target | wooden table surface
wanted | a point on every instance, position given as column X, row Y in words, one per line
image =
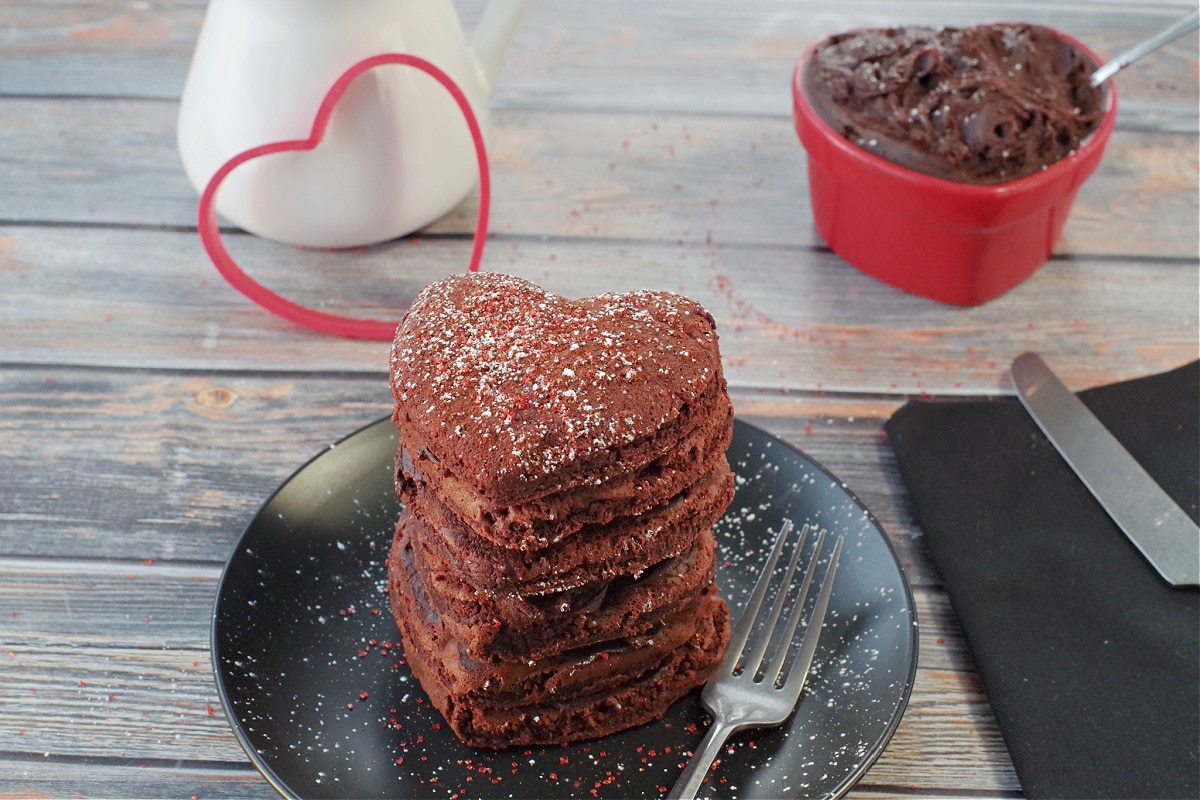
column 148, row 409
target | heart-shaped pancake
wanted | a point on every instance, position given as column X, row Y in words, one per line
column 517, row 392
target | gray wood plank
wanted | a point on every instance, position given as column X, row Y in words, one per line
column 947, row 725
column 140, row 609
column 137, row 694
column 49, row 775
column 138, row 466
column 789, row 319
column 114, row 703
column 56, row 604
column 737, row 58
column 697, row 179
column 58, row 777
column 81, row 47
column 124, row 465
column 715, row 56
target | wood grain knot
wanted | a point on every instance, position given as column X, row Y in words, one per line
column 216, row 397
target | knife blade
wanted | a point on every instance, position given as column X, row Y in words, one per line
column 1156, row 525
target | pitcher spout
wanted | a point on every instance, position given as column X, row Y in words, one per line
column 494, row 33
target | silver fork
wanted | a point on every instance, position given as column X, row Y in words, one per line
column 739, row 698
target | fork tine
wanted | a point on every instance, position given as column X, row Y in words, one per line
column 741, row 631
column 738, row 701
column 812, row 632
column 763, row 640
column 776, row 667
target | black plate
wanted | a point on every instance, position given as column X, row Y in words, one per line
column 309, row 667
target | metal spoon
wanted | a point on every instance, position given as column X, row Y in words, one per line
column 1186, row 25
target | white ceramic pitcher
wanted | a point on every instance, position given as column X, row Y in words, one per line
column 397, row 153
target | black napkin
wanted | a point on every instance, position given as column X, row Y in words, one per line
column 1089, row 658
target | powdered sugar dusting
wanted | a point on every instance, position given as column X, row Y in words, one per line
column 535, row 381
column 333, row 708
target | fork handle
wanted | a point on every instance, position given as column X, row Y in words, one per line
column 688, row 784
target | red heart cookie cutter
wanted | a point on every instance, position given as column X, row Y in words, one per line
column 307, row 317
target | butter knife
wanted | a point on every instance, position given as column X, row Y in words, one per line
column 1156, row 525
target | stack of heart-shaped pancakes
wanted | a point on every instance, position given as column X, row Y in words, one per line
column 561, row 464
